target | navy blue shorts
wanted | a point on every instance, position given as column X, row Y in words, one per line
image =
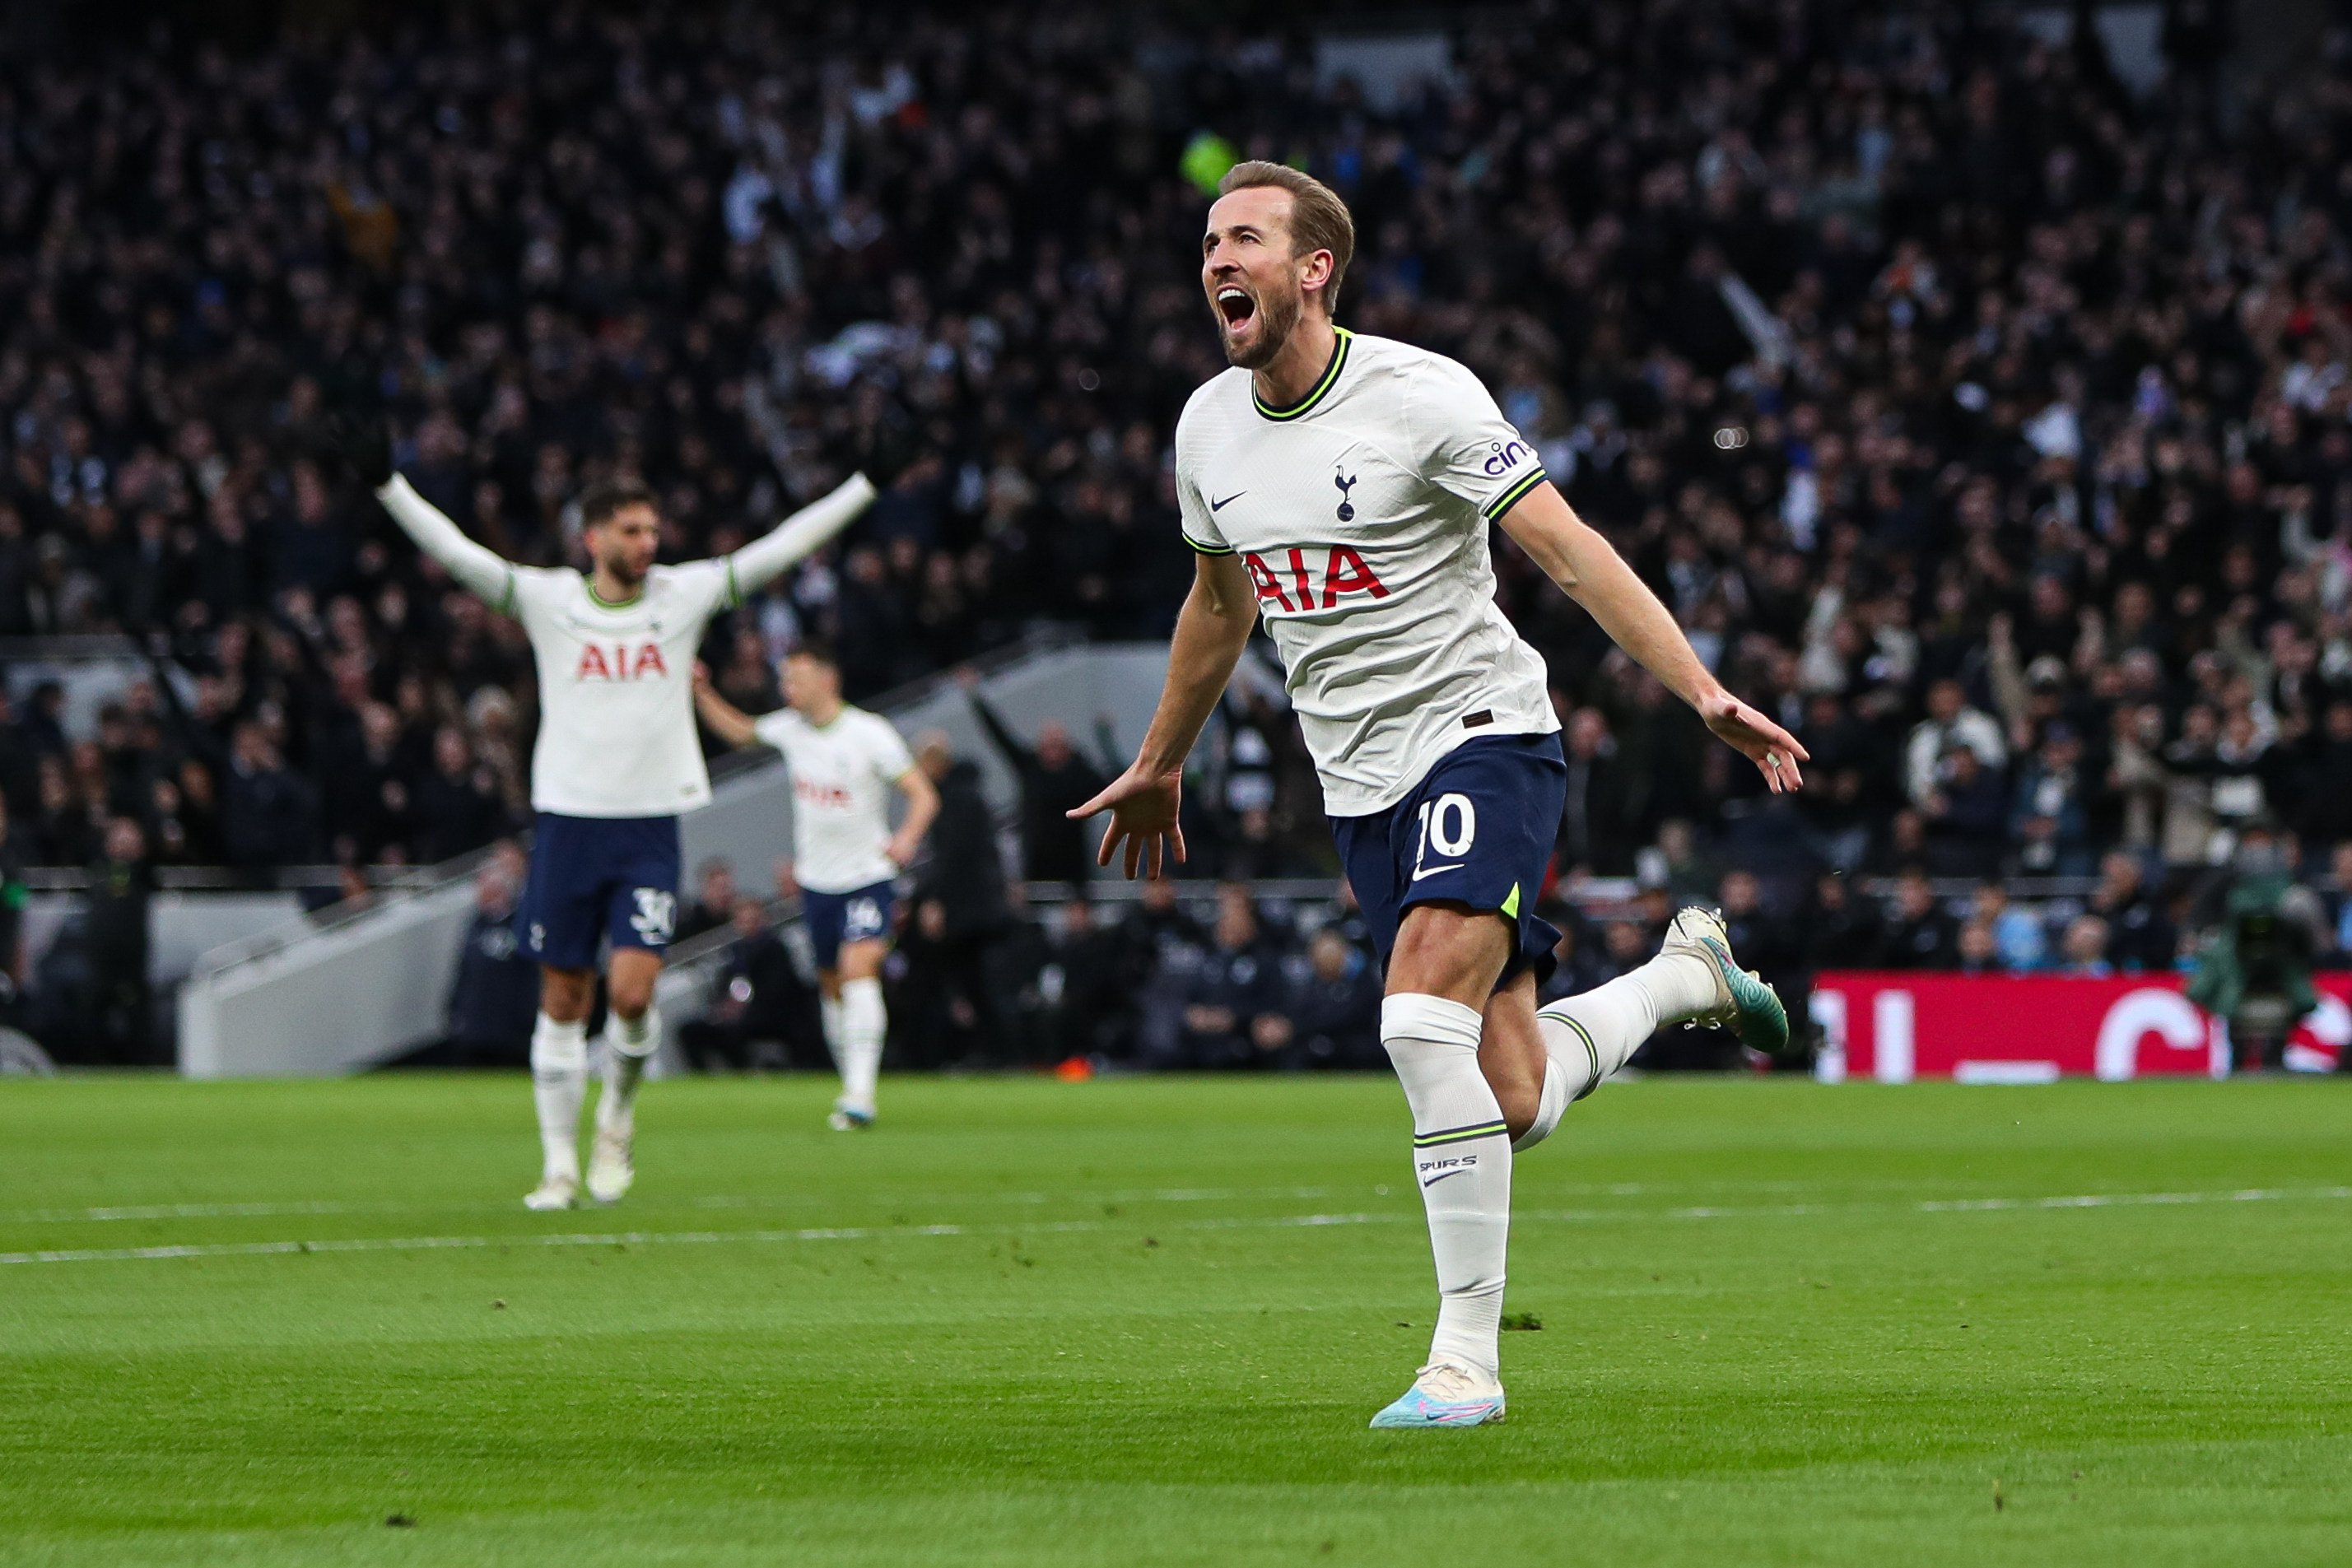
column 598, row 877
column 836, row 919
column 1478, row 829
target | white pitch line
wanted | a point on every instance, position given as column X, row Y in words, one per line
column 1073, row 1226
column 643, row 1238
column 112, row 1213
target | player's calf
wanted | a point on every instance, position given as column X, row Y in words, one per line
column 1694, row 979
column 559, row 1082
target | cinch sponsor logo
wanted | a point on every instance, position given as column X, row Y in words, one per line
column 615, row 661
column 1504, row 455
column 1295, row 585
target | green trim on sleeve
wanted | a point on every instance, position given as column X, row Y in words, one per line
column 734, row 589
column 1495, row 508
column 1208, row 549
column 506, row 599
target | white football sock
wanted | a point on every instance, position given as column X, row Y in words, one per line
column 1591, row 1035
column 628, row 1046
column 1462, row 1160
column 828, row 1011
column 559, row 1082
column 863, row 1024
column 1550, row 1104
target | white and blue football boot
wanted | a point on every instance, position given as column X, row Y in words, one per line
column 848, row 1118
column 1746, row 1005
column 1444, row 1394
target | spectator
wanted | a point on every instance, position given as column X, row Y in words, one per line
column 1842, row 931
column 1593, row 835
column 267, row 815
column 1951, row 726
column 2021, row 943
column 1054, row 781
column 2085, row 948
column 763, row 1013
column 119, row 1012
column 1234, row 987
column 1331, row 1014
column 1919, row 935
column 1979, row 949
column 2139, row 935
column 2050, row 822
column 715, row 897
column 456, row 807
column 1965, row 816
column 494, row 1000
column 1086, row 988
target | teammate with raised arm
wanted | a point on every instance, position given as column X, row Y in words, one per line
column 844, row 763
column 1340, row 486
column 617, row 761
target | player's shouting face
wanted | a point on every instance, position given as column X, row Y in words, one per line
column 1257, row 279
column 623, row 541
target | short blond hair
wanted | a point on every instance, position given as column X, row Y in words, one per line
column 1319, row 220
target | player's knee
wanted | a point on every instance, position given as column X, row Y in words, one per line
column 564, row 994
column 630, row 996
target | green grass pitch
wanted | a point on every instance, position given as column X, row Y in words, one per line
column 1144, row 1322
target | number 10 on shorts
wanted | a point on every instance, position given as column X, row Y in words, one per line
column 1448, row 825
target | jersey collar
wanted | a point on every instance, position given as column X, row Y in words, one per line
column 1322, row 389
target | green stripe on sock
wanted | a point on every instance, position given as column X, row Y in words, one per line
column 1457, row 1134
column 1591, row 1051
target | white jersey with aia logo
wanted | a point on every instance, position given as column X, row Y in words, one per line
column 841, row 777
column 616, row 734
column 1362, row 513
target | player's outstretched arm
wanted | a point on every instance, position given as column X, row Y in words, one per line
column 923, row 797
column 1211, row 632
column 1589, row 571
column 366, row 448
column 722, row 717
column 798, row 536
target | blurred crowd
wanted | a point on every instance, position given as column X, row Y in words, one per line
column 1223, row 977
column 1985, row 421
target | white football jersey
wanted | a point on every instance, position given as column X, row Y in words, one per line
column 616, row 735
column 1361, row 513
column 841, row 777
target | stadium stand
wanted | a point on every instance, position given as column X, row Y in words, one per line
column 1984, row 416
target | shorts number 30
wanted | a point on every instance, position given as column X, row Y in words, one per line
column 1448, row 824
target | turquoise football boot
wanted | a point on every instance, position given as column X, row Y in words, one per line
column 1749, row 1008
column 1445, row 1394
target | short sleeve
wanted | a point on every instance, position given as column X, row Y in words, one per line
column 774, row 730
column 535, row 594
column 706, row 587
column 1464, row 445
column 891, row 758
column 1200, row 523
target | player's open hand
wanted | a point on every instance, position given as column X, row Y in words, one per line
column 1747, row 731
column 1144, row 810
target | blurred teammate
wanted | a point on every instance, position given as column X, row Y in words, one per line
column 617, row 761
column 1340, row 486
column 844, row 763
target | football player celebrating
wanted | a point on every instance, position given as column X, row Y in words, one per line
column 844, row 763
column 616, row 761
column 1341, row 487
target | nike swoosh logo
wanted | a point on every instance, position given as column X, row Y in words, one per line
column 1435, row 1179
column 1433, row 870
column 1221, row 506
